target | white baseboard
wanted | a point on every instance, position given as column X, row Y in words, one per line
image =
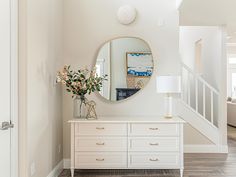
column 205, row 149
column 224, row 149
column 66, row 163
column 57, row 170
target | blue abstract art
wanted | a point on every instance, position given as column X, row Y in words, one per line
column 139, row 64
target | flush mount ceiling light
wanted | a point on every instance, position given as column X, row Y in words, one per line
column 126, row 14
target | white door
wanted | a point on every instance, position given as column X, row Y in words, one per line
column 5, row 89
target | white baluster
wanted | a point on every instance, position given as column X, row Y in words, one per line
column 212, row 107
column 204, row 100
column 188, row 89
column 186, row 92
column 182, row 82
column 196, row 93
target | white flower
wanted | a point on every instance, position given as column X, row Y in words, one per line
column 58, row 79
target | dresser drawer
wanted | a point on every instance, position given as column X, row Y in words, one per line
column 96, row 160
column 100, row 144
column 154, row 160
column 101, row 129
column 162, row 144
column 154, row 130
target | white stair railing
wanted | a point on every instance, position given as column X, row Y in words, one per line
column 200, row 95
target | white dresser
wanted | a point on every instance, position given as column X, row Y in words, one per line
column 127, row 143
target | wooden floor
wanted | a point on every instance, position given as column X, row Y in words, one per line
column 196, row 165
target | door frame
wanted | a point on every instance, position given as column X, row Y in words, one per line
column 14, row 86
column 230, row 69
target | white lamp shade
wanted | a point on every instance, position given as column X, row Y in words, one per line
column 168, row 84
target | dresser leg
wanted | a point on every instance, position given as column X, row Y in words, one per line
column 72, row 171
column 181, row 172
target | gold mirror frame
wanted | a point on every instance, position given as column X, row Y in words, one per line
column 128, row 79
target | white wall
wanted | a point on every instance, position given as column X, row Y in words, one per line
column 210, row 37
column 213, row 63
column 41, row 48
column 90, row 23
column 211, row 50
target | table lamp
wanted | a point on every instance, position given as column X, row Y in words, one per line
column 168, row 85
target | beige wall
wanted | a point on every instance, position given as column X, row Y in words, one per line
column 23, row 155
column 87, row 25
column 40, row 57
column 90, row 23
column 193, row 137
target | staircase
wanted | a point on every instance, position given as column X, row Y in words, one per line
column 199, row 104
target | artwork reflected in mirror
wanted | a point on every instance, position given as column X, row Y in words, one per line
column 128, row 63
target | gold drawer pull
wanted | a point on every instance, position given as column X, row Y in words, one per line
column 100, row 160
column 154, row 144
column 153, row 128
column 100, row 144
column 100, row 128
column 154, row 160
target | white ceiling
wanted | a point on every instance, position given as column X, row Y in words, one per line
column 210, row 12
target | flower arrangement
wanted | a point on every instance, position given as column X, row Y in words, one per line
column 80, row 82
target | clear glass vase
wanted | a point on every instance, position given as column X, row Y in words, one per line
column 80, row 109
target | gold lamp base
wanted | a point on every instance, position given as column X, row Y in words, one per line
column 168, row 117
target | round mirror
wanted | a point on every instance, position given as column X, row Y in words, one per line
column 128, row 64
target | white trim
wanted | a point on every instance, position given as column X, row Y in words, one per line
column 57, row 170
column 231, row 44
column 224, row 149
column 100, row 60
column 66, row 163
column 205, row 148
column 14, row 85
